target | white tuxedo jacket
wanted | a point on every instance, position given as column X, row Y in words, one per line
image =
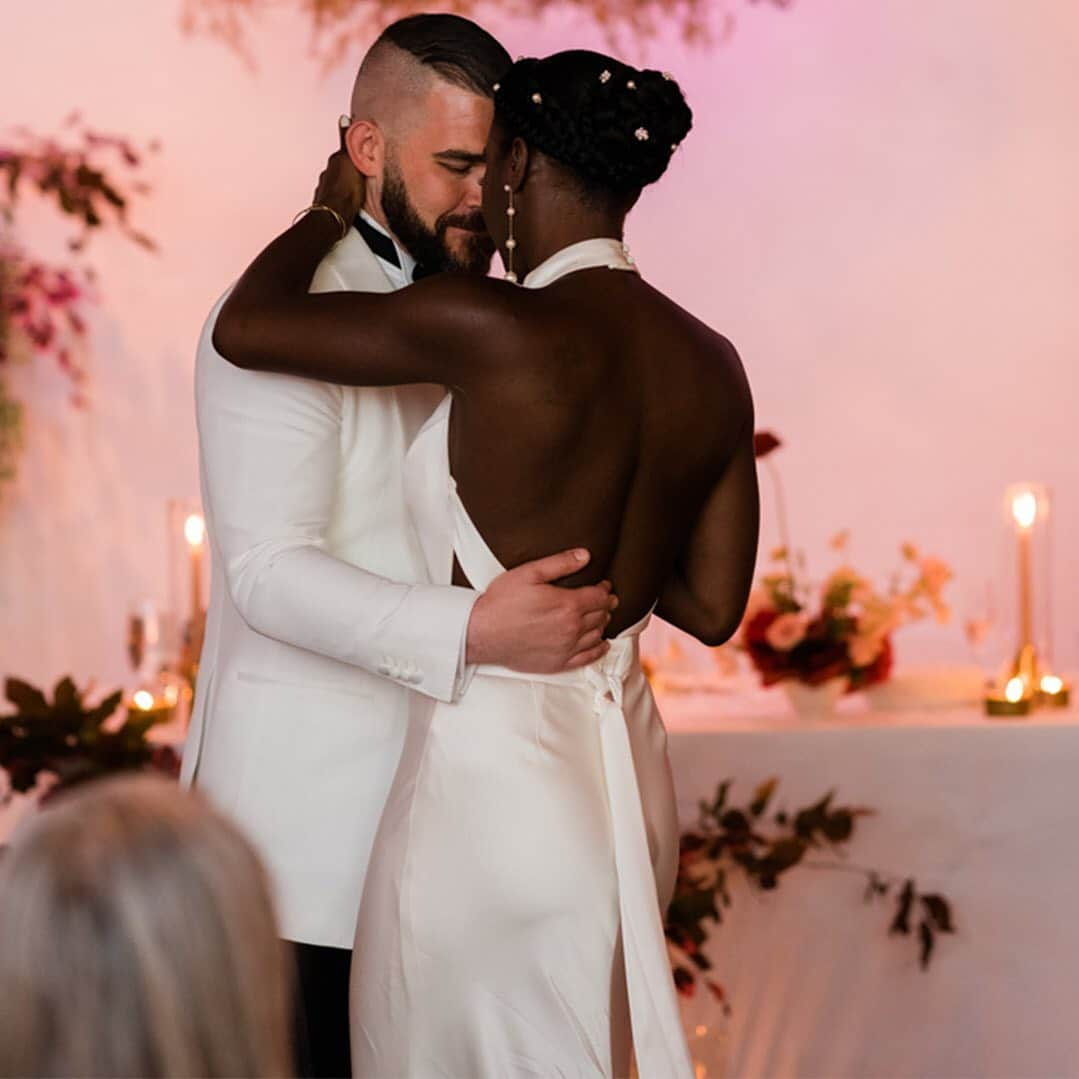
column 312, row 643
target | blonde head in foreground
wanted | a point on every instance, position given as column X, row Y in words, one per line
column 139, row 938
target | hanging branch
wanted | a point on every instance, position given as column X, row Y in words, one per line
column 764, row 849
column 80, row 176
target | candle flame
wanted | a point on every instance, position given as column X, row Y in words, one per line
column 143, row 700
column 1025, row 509
column 195, row 530
column 1014, row 690
column 1051, row 684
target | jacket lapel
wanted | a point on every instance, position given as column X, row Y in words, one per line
column 356, row 265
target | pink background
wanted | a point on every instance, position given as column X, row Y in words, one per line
column 877, row 205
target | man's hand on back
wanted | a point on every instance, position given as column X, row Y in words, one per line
column 528, row 624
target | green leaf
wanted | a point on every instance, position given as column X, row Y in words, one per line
column 97, row 716
column 112, row 196
column 142, row 240
column 785, row 853
column 25, row 697
column 940, row 912
column 874, row 885
column 691, row 907
column 710, row 814
column 838, row 826
column 762, row 796
column 137, row 724
column 65, row 696
column 926, row 941
column 901, row 921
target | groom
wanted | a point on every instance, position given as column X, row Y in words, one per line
column 322, row 634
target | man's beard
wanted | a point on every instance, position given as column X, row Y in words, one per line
column 428, row 246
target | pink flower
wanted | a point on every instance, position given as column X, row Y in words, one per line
column 787, row 631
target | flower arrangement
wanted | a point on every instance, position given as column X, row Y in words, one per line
column 843, row 629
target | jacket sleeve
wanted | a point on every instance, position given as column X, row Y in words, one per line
column 269, row 458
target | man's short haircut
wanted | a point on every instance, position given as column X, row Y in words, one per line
column 456, row 48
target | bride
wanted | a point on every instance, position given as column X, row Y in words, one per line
column 512, row 918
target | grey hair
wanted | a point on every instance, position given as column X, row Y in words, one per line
column 139, row 938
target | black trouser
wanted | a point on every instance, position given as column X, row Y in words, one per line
column 321, row 1012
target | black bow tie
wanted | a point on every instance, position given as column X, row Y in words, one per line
column 385, row 249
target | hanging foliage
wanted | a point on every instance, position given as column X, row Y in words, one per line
column 90, row 179
column 341, row 27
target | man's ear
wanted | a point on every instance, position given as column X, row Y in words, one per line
column 366, row 147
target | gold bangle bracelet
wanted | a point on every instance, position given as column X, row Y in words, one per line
column 330, row 210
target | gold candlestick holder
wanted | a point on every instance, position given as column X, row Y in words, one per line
column 1014, row 700
column 1027, row 682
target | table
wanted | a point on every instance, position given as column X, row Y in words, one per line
column 985, row 811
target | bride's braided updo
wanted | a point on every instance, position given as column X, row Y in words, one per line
column 613, row 126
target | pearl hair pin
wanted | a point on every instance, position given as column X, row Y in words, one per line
column 604, row 76
column 631, row 85
column 642, row 134
column 537, row 99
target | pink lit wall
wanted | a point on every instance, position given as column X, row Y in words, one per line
column 877, row 206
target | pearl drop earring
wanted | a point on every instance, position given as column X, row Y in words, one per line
column 511, row 242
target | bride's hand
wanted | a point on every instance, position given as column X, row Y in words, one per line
column 341, row 185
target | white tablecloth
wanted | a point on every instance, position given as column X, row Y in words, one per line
column 985, row 811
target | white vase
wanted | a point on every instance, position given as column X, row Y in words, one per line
column 814, row 701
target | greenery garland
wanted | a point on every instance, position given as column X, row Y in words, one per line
column 764, row 848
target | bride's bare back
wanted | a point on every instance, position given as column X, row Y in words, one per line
column 608, row 420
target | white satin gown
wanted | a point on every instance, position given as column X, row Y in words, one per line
column 511, row 919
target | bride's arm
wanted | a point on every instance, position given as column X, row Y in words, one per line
column 433, row 331
column 706, row 596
